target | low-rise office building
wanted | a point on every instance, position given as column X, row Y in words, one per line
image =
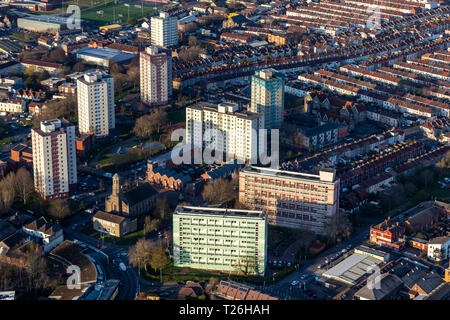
column 113, row 224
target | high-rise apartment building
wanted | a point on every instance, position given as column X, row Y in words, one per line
column 237, row 130
column 291, row 199
column 268, row 97
column 226, row 240
column 95, row 93
column 164, row 30
column 54, row 158
column 156, row 76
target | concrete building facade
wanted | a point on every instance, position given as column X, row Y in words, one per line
column 95, row 93
column 237, row 130
column 164, row 30
column 54, row 158
column 226, row 240
column 291, row 199
column 156, row 76
column 267, row 97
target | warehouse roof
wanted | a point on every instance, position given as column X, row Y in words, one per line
column 352, row 269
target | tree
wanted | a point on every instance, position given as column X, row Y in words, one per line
column 188, row 54
column 149, row 123
column 44, row 75
column 159, row 259
column 305, row 237
column 133, row 75
column 151, row 224
column 59, row 209
column 54, row 109
column 160, row 118
column 119, row 83
column 57, row 55
column 192, row 40
column 139, row 254
column 36, row 270
column 23, row 184
column 339, row 224
column 7, row 192
column 79, row 67
column 219, row 191
column 116, row 68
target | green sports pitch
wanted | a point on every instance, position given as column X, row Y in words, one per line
column 117, row 13
column 103, row 12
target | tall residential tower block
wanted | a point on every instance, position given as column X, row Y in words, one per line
column 54, row 158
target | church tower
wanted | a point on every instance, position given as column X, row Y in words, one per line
column 116, row 185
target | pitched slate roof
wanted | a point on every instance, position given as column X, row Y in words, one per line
column 43, row 226
column 109, row 217
column 422, row 216
column 140, row 193
column 6, row 229
column 426, row 281
column 388, row 284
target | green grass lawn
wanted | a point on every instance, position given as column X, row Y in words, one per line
column 172, row 273
column 130, row 238
column 116, row 13
column 126, row 240
column 112, row 13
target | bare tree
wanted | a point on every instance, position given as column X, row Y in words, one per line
column 36, row 267
column 59, row 209
column 24, row 184
column 7, row 192
column 219, row 191
column 140, row 254
column 305, row 237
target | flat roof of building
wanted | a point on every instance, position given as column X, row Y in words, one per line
column 242, row 113
column 47, row 19
column 222, row 212
column 287, row 174
column 105, row 53
column 101, row 292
